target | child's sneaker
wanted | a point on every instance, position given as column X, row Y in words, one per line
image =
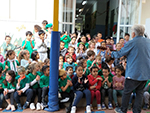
column 99, row 107
column 145, row 107
column 38, row 106
column 25, row 105
column 91, row 106
column 103, row 106
column 32, row 106
column 118, row 110
column 8, row 107
column 19, row 107
column 130, row 106
column 88, row 109
column 110, row 106
column 43, row 105
column 73, row 109
column 13, row 108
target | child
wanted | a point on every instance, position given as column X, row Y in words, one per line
column 80, row 86
column 81, row 50
column 1, row 89
column 88, row 36
column 83, row 40
column 108, row 44
column 117, row 60
column 112, row 43
column 71, row 53
column 41, row 46
column 44, row 23
column 118, row 83
column 35, row 57
column 22, row 88
column 44, row 84
column 109, row 61
column 69, row 62
column 99, row 35
column 1, row 57
column 24, row 58
column 126, row 37
column 9, row 87
column 7, row 46
column 65, row 88
column 69, row 70
column 92, row 47
column 95, row 39
column 133, row 95
column 63, row 50
column 11, row 62
column 61, row 65
column 65, row 38
column 106, row 87
column 73, row 42
column 121, row 41
column 47, row 62
column 95, row 85
column 99, row 62
column 28, row 44
column 34, row 84
column 91, row 56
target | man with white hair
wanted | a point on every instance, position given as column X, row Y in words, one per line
column 137, row 52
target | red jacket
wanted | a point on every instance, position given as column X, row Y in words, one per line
column 73, row 56
column 93, row 81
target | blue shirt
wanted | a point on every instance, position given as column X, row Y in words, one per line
column 137, row 52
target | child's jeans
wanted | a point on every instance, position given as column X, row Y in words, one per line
column 97, row 94
column 146, row 97
column 11, row 97
column 115, row 92
column 109, row 92
column 131, row 97
column 28, row 93
column 44, row 91
column 38, row 92
column 79, row 95
column 1, row 99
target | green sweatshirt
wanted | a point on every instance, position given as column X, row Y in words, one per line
column 1, row 83
column 44, row 81
column 9, row 86
column 66, row 41
column 23, row 82
column 32, row 77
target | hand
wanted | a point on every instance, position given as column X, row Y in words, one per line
column 29, row 61
column 4, row 92
column 106, row 79
column 79, row 80
column 116, row 84
column 85, row 81
column 99, row 78
column 48, row 87
column 19, row 92
column 148, row 84
column 69, row 82
column 6, row 67
column 37, row 78
column 92, row 87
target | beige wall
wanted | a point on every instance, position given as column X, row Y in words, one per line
column 145, row 11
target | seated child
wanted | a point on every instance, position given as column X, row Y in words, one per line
column 22, row 88
column 118, row 83
column 44, row 84
column 106, row 87
column 83, row 40
column 9, row 86
column 81, row 50
column 98, row 62
column 91, row 56
column 69, row 70
column 65, row 88
column 108, row 44
column 1, row 89
column 71, row 51
column 47, row 62
column 95, row 85
column 35, row 57
column 63, row 50
column 69, row 63
column 80, row 87
column 65, row 38
column 61, row 65
column 73, row 42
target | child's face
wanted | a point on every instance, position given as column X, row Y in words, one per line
column 94, row 72
column 83, row 39
column 118, row 47
column 127, row 38
column 103, row 44
column 69, row 60
column 118, row 72
column 21, row 74
column 108, row 41
column 121, row 41
column 61, row 59
column 92, row 57
column 29, row 37
column 43, row 25
column 99, row 35
column 27, row 56
column 8, row 77
column 50, row 29
column 98, row 61
column 42, row 36
column 105, row 72
column 79, row 71
column 64, row 76
column 12, row 56
column 46, row 72
column 38, row 56
column 92, row 45
column 84, row 64
column 36, row 30
column 112, row 42
column 60, row 65
column 48, row 63
column 88, row 36
column 8, row 39
column 70, row 71
column 62, row 45
column 73, row 40
column 71, row 50
column 81, row 47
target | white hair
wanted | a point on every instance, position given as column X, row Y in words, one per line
column 138, row 30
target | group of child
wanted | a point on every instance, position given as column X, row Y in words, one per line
column 85, row 70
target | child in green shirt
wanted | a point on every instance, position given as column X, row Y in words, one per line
column 91, row 56
column 44, row 84
column 65, row 88
column 28, row 44
column 83, row 39
column 9, row 87
column 65, row 38
column 22, row 88
column 1, row 88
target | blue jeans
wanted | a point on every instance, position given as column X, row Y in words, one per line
column 115, row 92
column 79, row 95
column 131, row 97
column 1, row 99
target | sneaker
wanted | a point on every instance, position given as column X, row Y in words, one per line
column 38, row 106
column 19, row 107
column 73, row 109
column 99, row 107
column 130, row 106
column 88, row 109
column 32, row 106
column 110, row 106
column 26, row 105
column 68, row 109
column 145, row 107
column 91, row 106
column 118, row 110
column 43, row 105
column 8, row 107
column 103, row 106
column 13, row 108
column 65, row 100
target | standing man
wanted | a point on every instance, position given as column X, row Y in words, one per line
column 137, row 52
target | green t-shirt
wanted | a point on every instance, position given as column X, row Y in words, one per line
column 101, row 73
column 28, row 46
column 89, row 63
column 44, row 81
column 87, row 72
column 8, row 64
column 63, row 83
column 1, row 83
column 32, row 77
column 9, row 86
column 110, row 79
column 86, row 45
column 2, row 66
column 23, row 82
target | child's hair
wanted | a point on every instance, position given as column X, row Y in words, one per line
column 37, row 27
column 21, row 55
column 33, row 55
column 90, row 53
column 41, row 32
column 62, row 42
column 81, row 62
column 67, row 68
column 7, row 36
column 1, row 70
column 29, row 33
column 21, row 69
column 108, row 37
column 108, row 59
column 12, row 74
column 46, row 61
column 99, row 33
column 44, row 68
column 91, row 42
column 78, row 67
column 120, row 67
column 121, row 38
column 70, row 47
column 10, row 52
column 127, row 34
column 93, row 67
column 45, row 22
column 98, row 57
column 104, row 66
column 30, row 68
column 103, row 42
